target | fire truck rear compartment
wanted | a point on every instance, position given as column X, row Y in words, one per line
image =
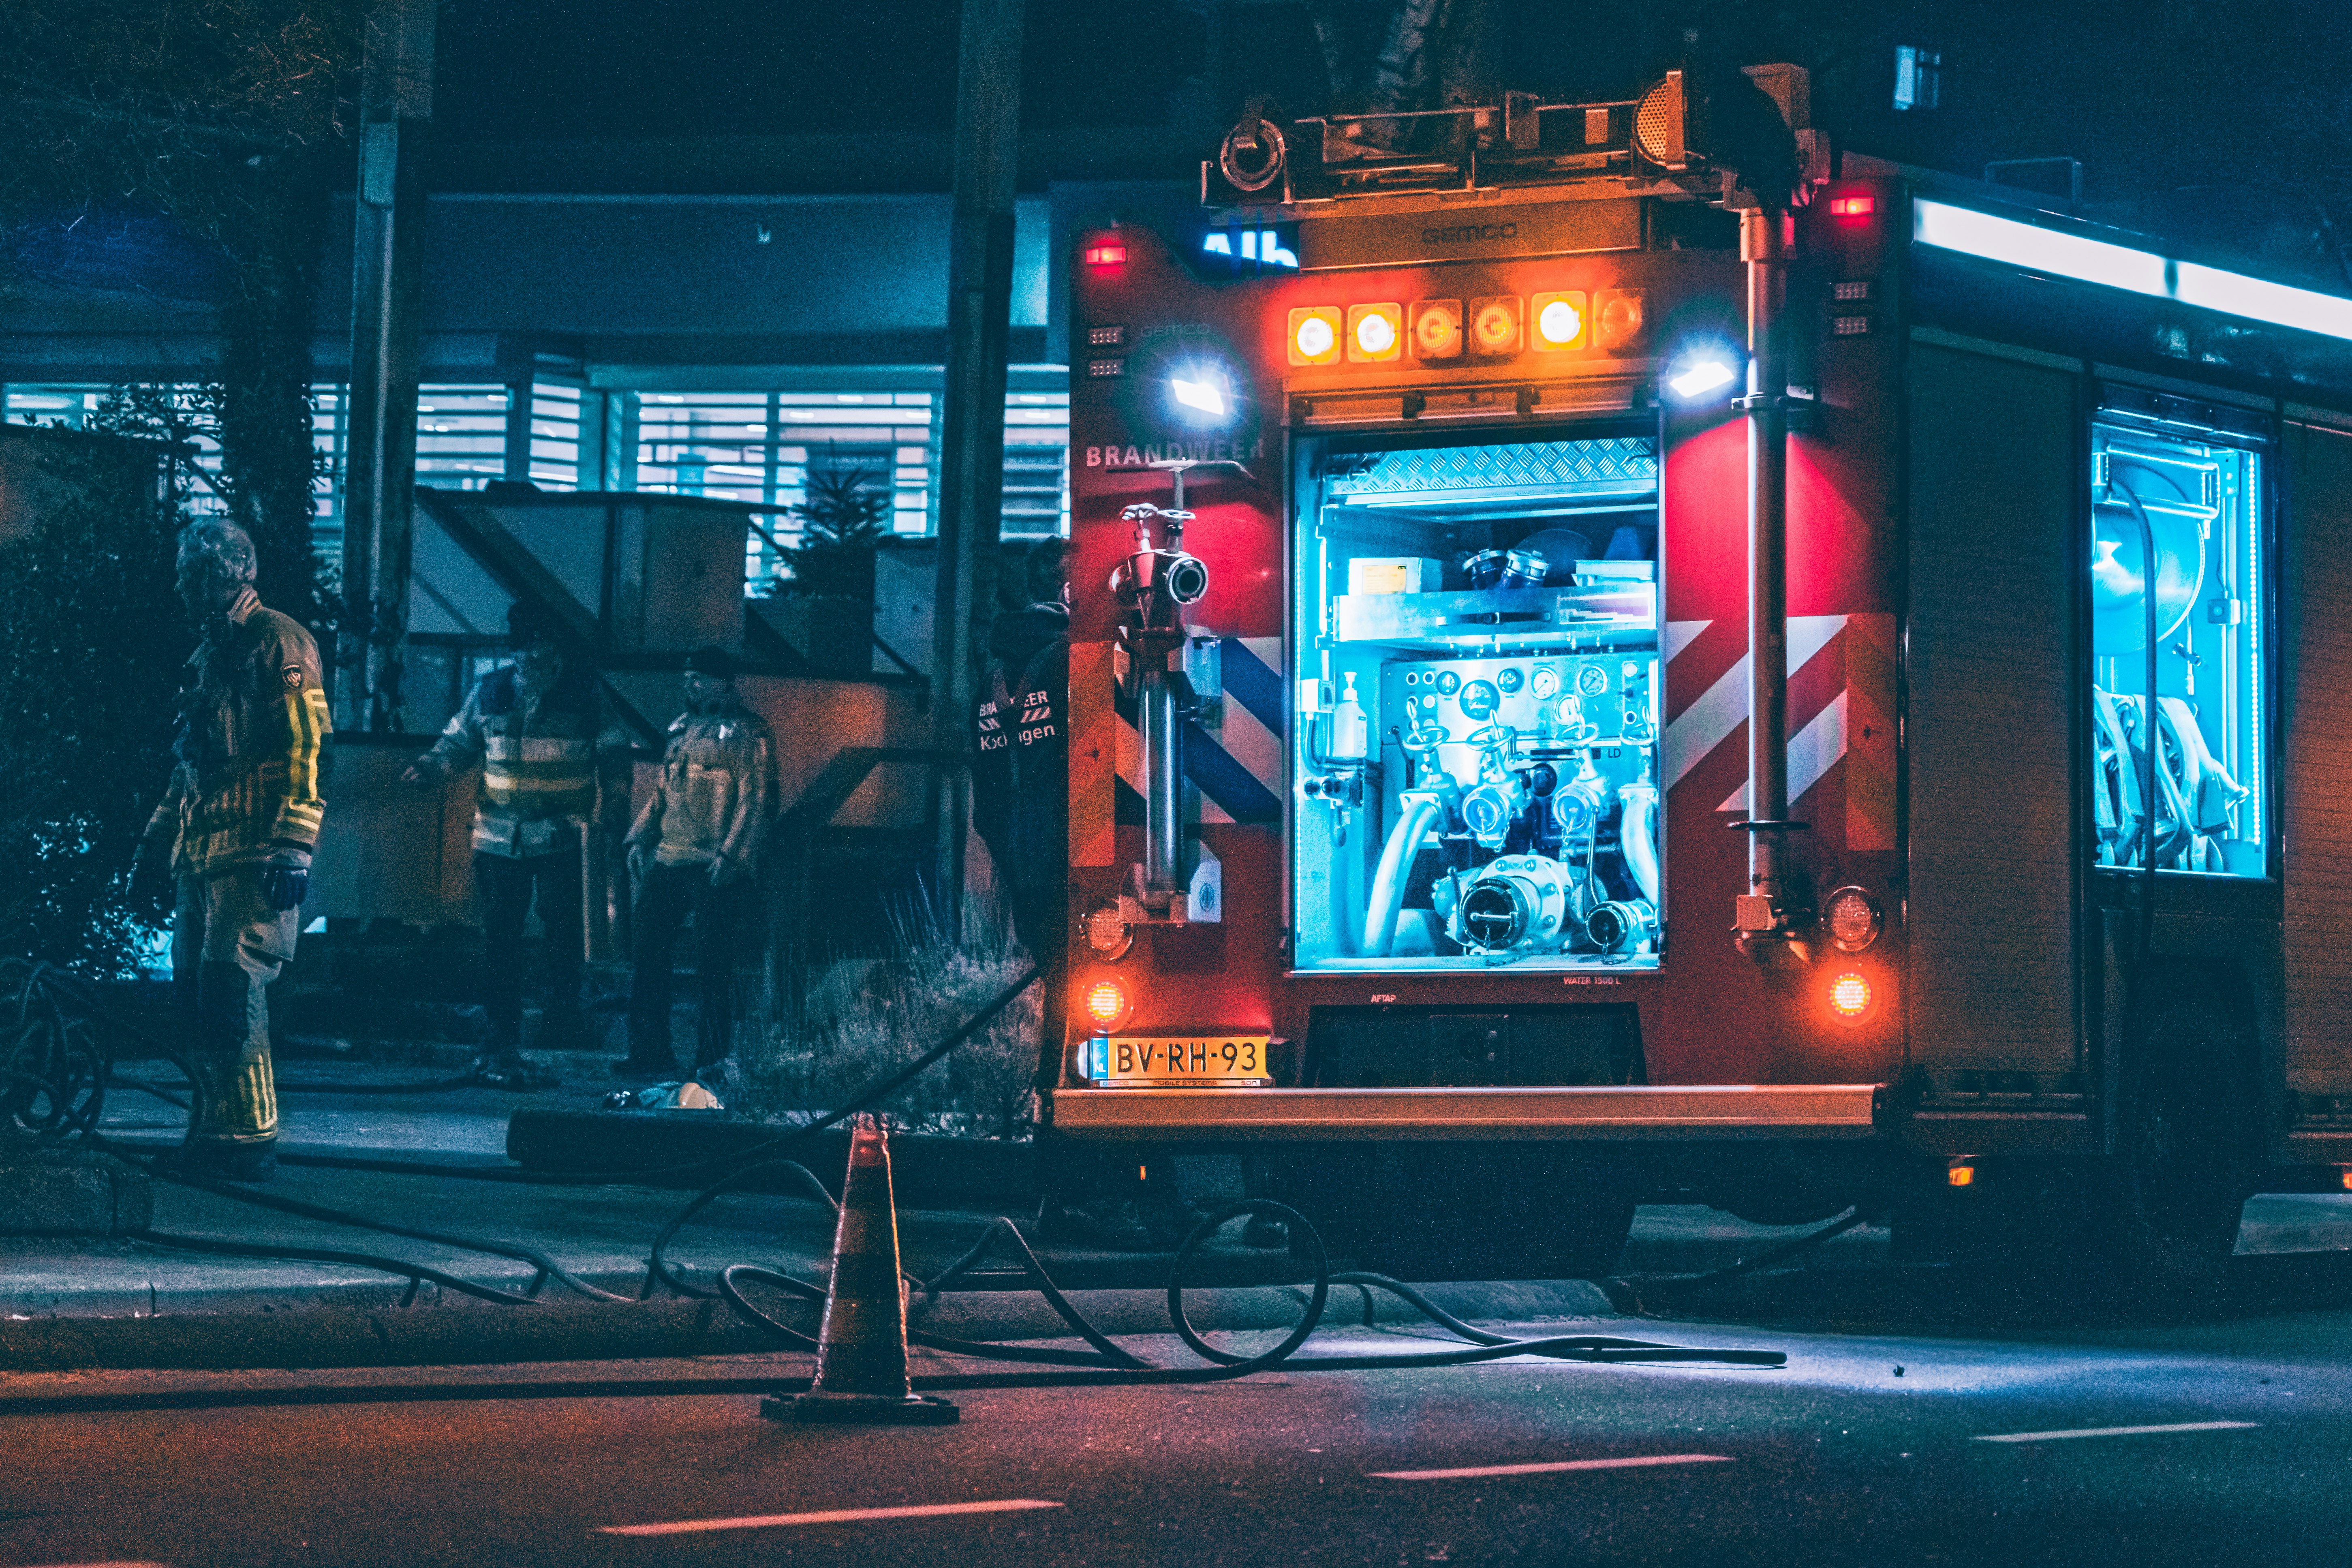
column 1477, row 666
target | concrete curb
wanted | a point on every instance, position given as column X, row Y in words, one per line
column 925, row 1168
column 586, row 1331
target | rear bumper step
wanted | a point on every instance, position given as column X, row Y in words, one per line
column 1715, row 1112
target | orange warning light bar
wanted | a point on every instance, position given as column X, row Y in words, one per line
column 1315, row 334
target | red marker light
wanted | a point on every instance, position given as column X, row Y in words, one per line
column 1105, row 255
column 1853, row 206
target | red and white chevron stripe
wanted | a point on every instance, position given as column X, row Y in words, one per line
column 1840, row 708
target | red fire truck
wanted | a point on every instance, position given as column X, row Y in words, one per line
column 1587, row 688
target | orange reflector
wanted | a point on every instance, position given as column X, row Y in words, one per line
column 1961, row 1175
column 1850, row 996
column 1106, row 1002
column 1315, row 334
column 2347, row 1174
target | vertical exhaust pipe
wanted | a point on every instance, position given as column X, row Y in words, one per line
column 1763, row 912
column 1158, row 727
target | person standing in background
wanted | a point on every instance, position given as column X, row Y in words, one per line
column 695, row 849
column 552, row 768
column 1021, row 784
column 235, row 829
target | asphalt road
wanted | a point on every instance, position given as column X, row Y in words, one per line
column 1837, row 1458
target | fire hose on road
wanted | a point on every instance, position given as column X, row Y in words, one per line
column 1104, row 1362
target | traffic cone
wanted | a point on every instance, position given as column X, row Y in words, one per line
column 861, row 1355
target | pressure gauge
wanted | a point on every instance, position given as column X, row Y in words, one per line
column 1593, row 680
column 1479, row 700
column 1510, row 679
column 1544, row 682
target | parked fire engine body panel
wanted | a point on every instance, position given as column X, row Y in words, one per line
column 1467, row 695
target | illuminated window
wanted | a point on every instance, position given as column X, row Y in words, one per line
column 555, row 437
column 2197, row 496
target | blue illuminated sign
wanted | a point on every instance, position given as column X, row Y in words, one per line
column 1260, row 244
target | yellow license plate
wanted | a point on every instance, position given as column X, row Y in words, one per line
column 1182, row 1059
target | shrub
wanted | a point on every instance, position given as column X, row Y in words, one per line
column 92, row 642
column 862, row 1019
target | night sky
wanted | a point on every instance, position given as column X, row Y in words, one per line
column 2228, row 119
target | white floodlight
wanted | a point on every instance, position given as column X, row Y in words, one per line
column 1702, row 378
column 1203, row 395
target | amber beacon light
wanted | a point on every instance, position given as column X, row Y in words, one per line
column 1495, row 325
column 1375, row 332
column 1315, row 334
column 1558, row 319
column 1437, row 329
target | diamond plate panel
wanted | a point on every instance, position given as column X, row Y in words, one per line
column 1611, row 460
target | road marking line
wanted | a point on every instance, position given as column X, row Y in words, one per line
column 1630, row 1462
column 2118, row 1431
column 830, row 1516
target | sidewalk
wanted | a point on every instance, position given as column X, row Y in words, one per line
column 602, row 1232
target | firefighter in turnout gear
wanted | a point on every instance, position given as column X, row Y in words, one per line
column 1020, row 809
column 234, row 830
column 1021, row 785
column 695, row 849
column 552, row 768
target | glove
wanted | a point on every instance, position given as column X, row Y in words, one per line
column 150, row 872
column 285, row 878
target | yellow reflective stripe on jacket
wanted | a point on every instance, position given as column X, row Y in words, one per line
column 552, row 775
column 300, row 810
column 575, row 749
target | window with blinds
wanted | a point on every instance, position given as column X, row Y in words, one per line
column 555, row 438
column 758, row 447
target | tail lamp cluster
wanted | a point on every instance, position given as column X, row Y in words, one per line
column 1556, row 321
column 1851, row 921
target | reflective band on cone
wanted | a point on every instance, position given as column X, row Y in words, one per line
column 861, row 1356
